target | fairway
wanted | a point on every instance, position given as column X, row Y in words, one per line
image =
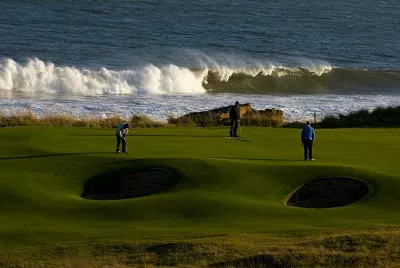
column 225, row 192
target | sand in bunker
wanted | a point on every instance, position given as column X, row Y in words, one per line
column 328, row 193
column 134, row 184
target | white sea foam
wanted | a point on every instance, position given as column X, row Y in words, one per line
column 45, row 77
column 160, row 107
column 39, row 76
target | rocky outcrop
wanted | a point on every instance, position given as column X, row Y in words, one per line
column 220, row 117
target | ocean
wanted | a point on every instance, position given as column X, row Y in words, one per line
column 166, row 58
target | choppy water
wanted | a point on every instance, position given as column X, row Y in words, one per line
column 170, row 57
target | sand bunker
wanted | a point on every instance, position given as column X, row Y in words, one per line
column 328, row 193
column 133, row 184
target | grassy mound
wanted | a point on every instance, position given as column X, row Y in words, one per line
column 226, row 205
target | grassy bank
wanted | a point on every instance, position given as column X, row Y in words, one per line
column 379, row 117
column 226, row 210
column 27, row 118
column 203, row 119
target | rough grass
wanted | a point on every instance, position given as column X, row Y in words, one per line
column 373, row 248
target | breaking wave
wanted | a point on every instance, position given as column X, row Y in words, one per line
column 39, row 76
column 305, row 81
column 311, row 78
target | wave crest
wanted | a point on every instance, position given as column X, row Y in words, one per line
column 305, row 81
column 39, row 76
column 45, row 77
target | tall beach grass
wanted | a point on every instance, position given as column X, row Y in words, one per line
column 28, row 118
column 379, row 117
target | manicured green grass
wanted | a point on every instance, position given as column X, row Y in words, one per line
column 227, row 187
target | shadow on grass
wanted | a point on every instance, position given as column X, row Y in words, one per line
column 51, row 155
column 242, row 140
column 158, row 135
column 257, row 159
column 118, row 162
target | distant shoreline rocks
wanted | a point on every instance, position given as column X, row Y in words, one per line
column 220, row 117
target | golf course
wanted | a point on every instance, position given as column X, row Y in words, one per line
column 201, row 199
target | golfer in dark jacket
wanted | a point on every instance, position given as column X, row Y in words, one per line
column 122, row 130
column 234, row 116
column 307, row 137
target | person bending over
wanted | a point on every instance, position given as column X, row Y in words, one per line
column 307, row 137
column 234, row 116
column 122, row 130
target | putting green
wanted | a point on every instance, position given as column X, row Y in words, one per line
column 223, row 186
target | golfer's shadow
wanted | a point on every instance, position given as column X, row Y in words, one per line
column 242, row 140
column 157, row 135
column 167, row 135
column 257, row 159
column 51, row 155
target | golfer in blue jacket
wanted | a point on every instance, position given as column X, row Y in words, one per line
column 122, row 130
column 307, row 137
